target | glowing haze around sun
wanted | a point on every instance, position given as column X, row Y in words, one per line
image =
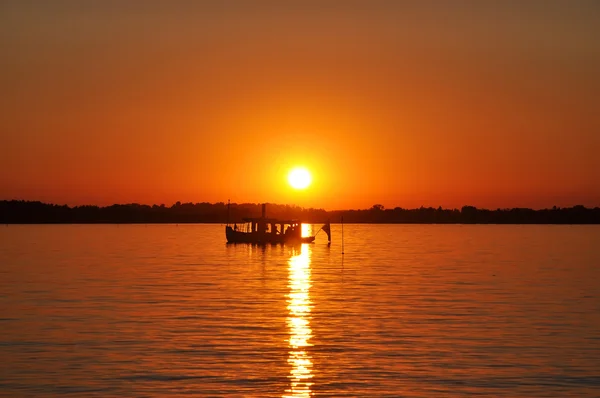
column 299, row 178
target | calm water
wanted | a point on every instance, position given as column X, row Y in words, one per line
column 407, row 311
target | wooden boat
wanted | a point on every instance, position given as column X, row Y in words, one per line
column 263, row 230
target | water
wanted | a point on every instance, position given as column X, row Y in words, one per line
column 408, row 311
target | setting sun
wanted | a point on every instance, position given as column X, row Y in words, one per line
column 299, row 178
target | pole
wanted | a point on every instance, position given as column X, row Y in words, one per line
column 342, row 234
column 228, row 203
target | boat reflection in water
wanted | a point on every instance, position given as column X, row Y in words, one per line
column 299, row 306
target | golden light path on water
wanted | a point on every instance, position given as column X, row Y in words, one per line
column 299, row 306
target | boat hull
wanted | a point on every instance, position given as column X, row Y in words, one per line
column 264, row 239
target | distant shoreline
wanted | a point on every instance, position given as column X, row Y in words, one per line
column 333, row 223
column 33, row 212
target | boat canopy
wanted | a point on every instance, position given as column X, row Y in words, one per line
column 271, row 220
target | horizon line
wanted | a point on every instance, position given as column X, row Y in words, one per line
column 374, row 206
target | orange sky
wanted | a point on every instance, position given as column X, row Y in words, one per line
column 492, row 104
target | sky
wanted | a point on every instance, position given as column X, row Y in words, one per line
column 424, row 103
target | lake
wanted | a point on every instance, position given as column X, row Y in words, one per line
column 406, row 311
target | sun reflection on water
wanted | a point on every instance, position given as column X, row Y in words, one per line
column 299, row 307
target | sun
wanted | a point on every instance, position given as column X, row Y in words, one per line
column 299, row 178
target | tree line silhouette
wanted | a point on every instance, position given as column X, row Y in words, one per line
column 33, row 212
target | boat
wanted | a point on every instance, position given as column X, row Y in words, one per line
column 263, row 230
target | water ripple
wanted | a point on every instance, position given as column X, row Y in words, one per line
column 408, row 310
